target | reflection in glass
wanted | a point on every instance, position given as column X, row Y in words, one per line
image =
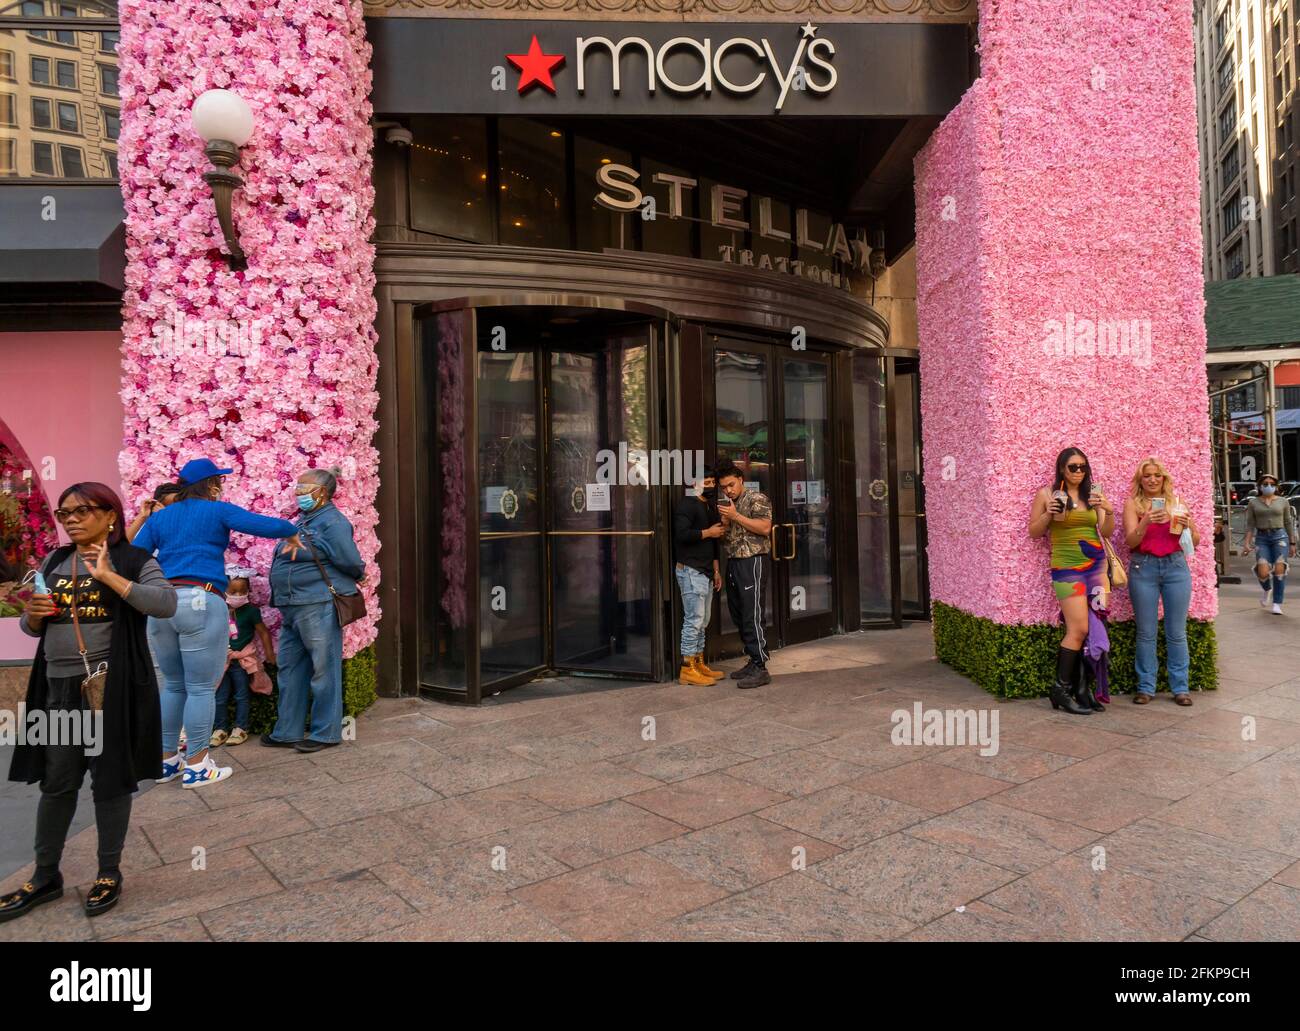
column 510, row 539
column 910, row 531
column 532, row 185
column 601, row 581
column 449, row 178
column 871, row 478
column 742, row 402
column 805, row 392
column 445, row 592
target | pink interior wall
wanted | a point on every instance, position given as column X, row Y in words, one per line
column 60, row 399
column 1063, row 186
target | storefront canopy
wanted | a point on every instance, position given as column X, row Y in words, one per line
column 62, row 234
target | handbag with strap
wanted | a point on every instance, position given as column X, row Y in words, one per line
column 1115, row 570
column 92, row 688
column 348, row 607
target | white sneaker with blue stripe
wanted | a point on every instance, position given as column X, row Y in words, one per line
column 205, row 772
column 172, row 768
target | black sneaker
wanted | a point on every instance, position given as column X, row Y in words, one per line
column 311, row 745
column 757, row 678
column 26, row 898
column 271, row 742
column 744, row 671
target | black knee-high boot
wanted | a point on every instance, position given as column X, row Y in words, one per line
column 1067, row 662
column 1083, row 692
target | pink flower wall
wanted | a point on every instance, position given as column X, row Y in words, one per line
column 283, row 377
column 1059, row 289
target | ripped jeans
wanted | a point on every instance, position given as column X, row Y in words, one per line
column 1271, row 547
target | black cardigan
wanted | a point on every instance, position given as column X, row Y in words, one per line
column 132, row 720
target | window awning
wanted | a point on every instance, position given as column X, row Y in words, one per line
column 59, row 233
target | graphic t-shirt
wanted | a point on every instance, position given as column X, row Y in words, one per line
column 741, row 543
column 242, row 622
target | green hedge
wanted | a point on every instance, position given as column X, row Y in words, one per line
column 1019, row 660
column 358, row 692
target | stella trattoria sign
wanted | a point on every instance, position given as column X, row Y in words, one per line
column 553, row 68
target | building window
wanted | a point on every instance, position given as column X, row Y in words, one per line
column 112, row 164
column 1227, row 121
column 449, row 178
column 1221, row 31
column 42, row 158
column 112, row 123
column 533, row 204
column 108, row 80
column 68, row 120
column 1234, row 260
column 7, row 73
column 1232, row 214
column 8, row 109
column 1225, row 75
column 40, row 71
column 8, row 157
column 66, row 72
column 1288, row 397
column 42, row 118
column 1230, row 167
column 108, row 42
column 73, row 165
column 35, row 9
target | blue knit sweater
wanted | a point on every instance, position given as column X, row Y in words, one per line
column 190, row 538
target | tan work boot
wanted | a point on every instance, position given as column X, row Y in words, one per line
column 700, row 667
column 689, row 674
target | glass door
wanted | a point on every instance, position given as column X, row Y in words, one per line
column 600, row 535
column 914, row 577
column 773, row 420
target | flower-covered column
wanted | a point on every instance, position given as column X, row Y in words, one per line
column 271, row 370
column 1060, row 304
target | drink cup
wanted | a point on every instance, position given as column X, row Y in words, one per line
column 1064, row 499
column 1177, row 518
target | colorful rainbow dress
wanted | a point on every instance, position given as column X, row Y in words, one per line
column 1078, row 559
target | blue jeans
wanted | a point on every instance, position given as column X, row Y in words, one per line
column 237, row 680
column 310, row 656
column 1152, row 579
column 191, row 649
column 1271, row 547
column 697, row 606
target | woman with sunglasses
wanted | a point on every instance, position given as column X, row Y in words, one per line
column 1270, row 529
column 1076, row 516
column 190, row 537
column 1158, row 573
column 101, row 589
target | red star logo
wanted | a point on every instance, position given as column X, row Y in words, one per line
column 535, row 67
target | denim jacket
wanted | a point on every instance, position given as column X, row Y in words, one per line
column 298, row 581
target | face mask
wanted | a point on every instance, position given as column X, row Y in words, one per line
column 709, row 493
column 236, row 600
column 1267, row 489
column 306, row 502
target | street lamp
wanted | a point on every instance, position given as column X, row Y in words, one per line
column 225, row 122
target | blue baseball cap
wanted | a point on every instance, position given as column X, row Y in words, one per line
column 200, row 469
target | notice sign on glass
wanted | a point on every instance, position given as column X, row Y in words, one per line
column 598, row 497
column 798, row 492
column 492, row 500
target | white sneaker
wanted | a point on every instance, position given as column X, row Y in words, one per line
column 1268, row 593
column 206, row 772
column 172, row 768
column 1277, row 610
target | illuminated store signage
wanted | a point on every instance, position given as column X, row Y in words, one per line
column 507, row 66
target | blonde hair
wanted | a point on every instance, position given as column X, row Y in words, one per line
column 1140, row 496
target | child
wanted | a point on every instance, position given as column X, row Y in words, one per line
column 245, row 621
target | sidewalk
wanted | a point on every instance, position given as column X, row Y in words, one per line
column 546, row 815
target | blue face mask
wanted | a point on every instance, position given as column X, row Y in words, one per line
column 1267, row 489
column 306, row 502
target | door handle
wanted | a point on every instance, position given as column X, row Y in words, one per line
column 794, row 542
column 771, row 537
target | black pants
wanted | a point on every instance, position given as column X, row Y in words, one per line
column 65, row 769
column 746, row 582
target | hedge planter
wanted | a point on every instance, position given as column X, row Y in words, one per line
column 1019, row 660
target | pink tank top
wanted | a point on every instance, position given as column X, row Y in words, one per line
column 1158, row 540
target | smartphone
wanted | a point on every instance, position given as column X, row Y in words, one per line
column 1157, row 504
column 723, row 500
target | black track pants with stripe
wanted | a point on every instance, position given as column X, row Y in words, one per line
column 746, row 582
